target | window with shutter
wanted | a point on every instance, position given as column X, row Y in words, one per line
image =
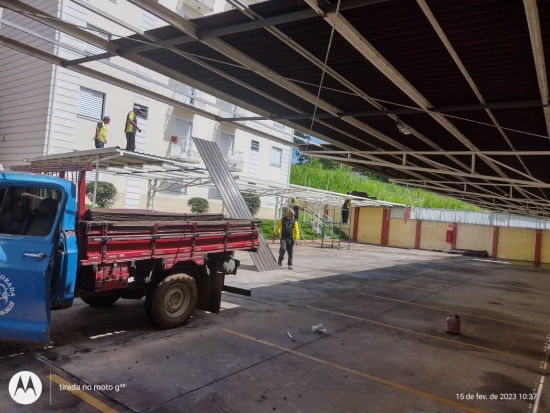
column 91, row 103
column 276, row 155
column 226, row 142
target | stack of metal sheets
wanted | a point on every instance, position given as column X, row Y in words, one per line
column 234, row 201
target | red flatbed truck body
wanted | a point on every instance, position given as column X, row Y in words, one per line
column 57, row 251
column 112, row 248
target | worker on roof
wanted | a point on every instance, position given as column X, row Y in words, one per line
column 100, row 137
column 130, row 129
column 289, row 236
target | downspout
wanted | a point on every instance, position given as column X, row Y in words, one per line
column 54, row 88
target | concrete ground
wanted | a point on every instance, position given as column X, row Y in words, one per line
column 385, row 349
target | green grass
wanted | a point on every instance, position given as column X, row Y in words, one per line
column 341, row 179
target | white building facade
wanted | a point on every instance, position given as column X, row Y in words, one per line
column 46, row 109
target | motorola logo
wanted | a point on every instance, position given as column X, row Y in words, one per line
column 25, row 387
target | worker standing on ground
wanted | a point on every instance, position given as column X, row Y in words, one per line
column 130, row 129
column 289, row 236
column 296, row 208
column 100, row 137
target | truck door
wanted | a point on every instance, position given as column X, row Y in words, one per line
column 29, row 221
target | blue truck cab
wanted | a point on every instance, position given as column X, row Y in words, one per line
column 38, row 252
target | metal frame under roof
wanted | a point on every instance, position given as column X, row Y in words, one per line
column 154, row 168
column 458, row 89
column 122, row 162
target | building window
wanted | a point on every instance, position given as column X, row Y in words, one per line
column 182, row 145
column 226, row 143
column 143, row 111
column 172, row 187
column 213, row 193
column 255, row 146
column 91, row 103
column 276, row 155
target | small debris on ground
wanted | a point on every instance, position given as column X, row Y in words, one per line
column 319, row 329
column 290, row 336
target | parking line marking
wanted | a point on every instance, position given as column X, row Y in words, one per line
column 545, row 329
column 356, row 372
column 416, row 288
column 92, row 401
column 418, row 333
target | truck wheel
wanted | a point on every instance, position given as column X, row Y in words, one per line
column 171, row 302
column 101, row 300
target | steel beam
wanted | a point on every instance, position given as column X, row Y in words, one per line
column 455, row 191
column 399, row 166
column 352, row 87
column 123, row 23
column 431, row 153
column 97, row 41
column 363, row 46
column 407, row 111
column 454, row 55
column 333, row 73
column 533, row 22
column 461, row 183
column 247, row 26
column 39, row 54
column 216, row 44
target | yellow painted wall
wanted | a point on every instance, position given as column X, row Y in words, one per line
column 433, row 236
column 516, row 244
column 545, row 250
column 474, row 237
column 402, row 234
column 370, row 225
column 513, row 243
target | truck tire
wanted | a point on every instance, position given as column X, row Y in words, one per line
column 101, row 300
column 171, row 302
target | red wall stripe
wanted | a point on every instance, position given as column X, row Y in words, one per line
column 417, row 235
column 385, row 226
column 538, row 245
column 355, row 223
column 455, row 230
column 495, row 242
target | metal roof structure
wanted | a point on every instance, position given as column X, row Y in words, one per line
column 123, row 162
column 158, row 170
column 445, row 95
column 422, row 67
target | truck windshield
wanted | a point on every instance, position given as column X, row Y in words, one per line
column 28, row 210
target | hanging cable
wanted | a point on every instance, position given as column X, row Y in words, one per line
column 322, row 77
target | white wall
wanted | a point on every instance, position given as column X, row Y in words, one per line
column 25, row 90
column 39, row 105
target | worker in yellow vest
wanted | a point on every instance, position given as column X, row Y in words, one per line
column 130, row 129
column 290, row 233
column 100, row 137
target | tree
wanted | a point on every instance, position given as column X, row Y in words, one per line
column 253, row 202
column 198, row 205
column 105, row 195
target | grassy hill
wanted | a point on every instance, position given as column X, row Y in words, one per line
column 342, row 178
